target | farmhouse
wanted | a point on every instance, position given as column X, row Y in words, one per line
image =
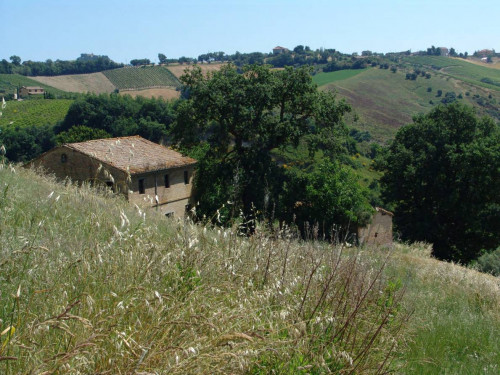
column 31, row 90
column 278, row 50
column 141, row 170
column 379, row 231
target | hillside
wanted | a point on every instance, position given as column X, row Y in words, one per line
column 91, row 284
column 133, row 78
column 34, row 112
column 384, row 100
column 10, row 82
column 83, row 83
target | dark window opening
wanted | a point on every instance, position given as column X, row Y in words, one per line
column 167, row 181
column 169, row 214
column 109, row 183
column 141, row 186
column 186, row 177
column 187, row 207
column 64, row 158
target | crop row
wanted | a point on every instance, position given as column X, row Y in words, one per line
column 34, row 112
column 141, row 77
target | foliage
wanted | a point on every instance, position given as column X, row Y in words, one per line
column 490, row 262
column 243, row 117
column 142, row 77
column 80, row 133
column 121, row 116
column 330, row 198
column 27, row 142
column 86, row 63
column 441, row 176
column 137, row 62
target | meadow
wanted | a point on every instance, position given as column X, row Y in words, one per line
column 461, row 69
column 141, row 77
column 324, row 78
column 92, row 284
column 34, row 112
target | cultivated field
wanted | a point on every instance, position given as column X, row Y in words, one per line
column 178, row 70
column 135, row 78
column 94, row 82
column 34, row 112
column 385, row 101
column 324, row 78
column 165, row 93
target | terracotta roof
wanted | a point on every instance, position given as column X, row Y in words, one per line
column 383, row 212
column 33, row 87
column 279, row 47
column 136, row 154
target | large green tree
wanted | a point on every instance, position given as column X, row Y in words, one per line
column 442, row 174
column 240, row 117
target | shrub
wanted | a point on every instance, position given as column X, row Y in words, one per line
column 490, row 262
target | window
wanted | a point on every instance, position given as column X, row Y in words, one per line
column 167, row 181
column 169, row 214
column 186, row 177
column 64, row 158
column 141, row 186
column 187, row 207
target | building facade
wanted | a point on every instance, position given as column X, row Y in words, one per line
column 143, row 171
column 31, row 90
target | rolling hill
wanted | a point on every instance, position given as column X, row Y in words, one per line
column 82, row 83
column 384, row 100
column 10, row 82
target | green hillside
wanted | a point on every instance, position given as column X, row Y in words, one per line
column 141, row 77
column 324, row 78
column 92, row 284
column 10, row 82
column 460, row 69
column 34, row 112
column 384, row 100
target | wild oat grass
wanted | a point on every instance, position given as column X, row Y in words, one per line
column 91, row 284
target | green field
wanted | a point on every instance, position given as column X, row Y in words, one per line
column 141, row 77
column 384, row 101
column 34, row 112
column 460, row 69
column 10, row 82
column 324, row 78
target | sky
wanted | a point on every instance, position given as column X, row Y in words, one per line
column 131, row 29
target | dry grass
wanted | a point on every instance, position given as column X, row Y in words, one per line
column 165, row 93
column 90, row 284
column 178, row 70
column 92, row 82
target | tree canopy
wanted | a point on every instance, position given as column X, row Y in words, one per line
column 235, row 119
column 442, row 175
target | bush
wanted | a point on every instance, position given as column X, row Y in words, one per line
column 490, row 262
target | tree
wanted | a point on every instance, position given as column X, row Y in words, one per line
column 162, row 58
column 137, row 62
column 442, row 175
column 16, row 60
column 80, row 133
column 240, row 118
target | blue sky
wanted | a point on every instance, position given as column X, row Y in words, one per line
column 128, row 29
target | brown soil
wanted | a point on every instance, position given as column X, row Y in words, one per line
column 178, row 70
column 93, row 82
column 164, row 93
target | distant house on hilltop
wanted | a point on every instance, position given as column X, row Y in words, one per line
column 379, row 231
column 444, row 51
column 133, row 166
column 31, row 90
column 278, row 50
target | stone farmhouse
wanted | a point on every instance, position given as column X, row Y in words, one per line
column 141, row 170
column 279, row 50
column 379, row 231
column 31, row 90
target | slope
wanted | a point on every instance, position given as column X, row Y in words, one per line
column 83, row 83
column 10, row 82
column 34, row 112
column 384, row 100
column 91, row 284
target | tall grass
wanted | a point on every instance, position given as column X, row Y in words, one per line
column 90, row 284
